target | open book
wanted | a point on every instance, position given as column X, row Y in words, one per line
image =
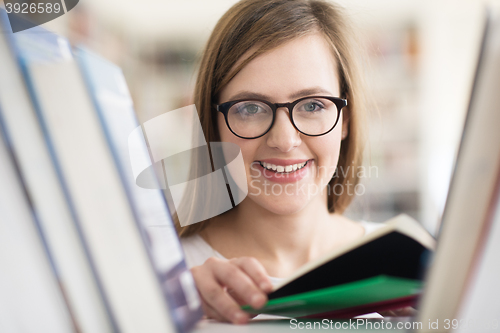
column 381, row 271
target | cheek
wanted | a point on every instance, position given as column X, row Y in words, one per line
column 225, row 134
column 327, row 150
column 248, row 147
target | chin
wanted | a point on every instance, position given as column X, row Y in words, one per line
column 281, row 205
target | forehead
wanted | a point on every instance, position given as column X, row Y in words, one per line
column 303, row 64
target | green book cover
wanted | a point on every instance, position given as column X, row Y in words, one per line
column 372, row 290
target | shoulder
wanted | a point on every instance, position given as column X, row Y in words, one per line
column 196, row 250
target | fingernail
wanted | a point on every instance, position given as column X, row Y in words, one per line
column 257, row 300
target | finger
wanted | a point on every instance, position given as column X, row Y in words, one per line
column 387, row 313
column 211, row 312
column 236, row 297
column 241, row 302
column 405, row 312
column 253, row 268
column 223, row 308
column 207, row 309
column 219, row 300
column 240, row 283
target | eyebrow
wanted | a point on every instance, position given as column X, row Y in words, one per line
column 295, row 95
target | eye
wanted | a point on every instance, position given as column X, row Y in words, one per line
column 311, row 106
column 250, row 109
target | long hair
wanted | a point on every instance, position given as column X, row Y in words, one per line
column 262, row 25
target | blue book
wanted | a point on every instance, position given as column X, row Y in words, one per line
column 113, row 103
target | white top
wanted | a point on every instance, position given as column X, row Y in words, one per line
column 197, row 251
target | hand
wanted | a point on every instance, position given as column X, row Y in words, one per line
column 403, row 312
column 224, row 285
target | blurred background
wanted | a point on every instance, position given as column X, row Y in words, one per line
column 419, row 62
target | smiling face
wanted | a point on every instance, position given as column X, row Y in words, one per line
column 302, row 67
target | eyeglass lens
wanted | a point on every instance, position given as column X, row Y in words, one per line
column 312, row 116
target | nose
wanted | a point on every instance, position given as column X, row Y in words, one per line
column 283, row 135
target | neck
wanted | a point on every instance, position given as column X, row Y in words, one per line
column 277, row 240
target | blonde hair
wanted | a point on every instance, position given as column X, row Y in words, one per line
column 263, row 25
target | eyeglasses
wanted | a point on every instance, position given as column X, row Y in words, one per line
column 253, row 118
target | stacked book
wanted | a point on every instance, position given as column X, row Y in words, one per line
column 82, row 247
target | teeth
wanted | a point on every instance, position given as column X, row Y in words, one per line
column 281, row 168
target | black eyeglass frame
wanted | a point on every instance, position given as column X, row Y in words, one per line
column 223, row 108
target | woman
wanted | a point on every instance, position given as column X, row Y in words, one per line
column 261, row 55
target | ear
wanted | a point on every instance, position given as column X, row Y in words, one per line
column 346, row 117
